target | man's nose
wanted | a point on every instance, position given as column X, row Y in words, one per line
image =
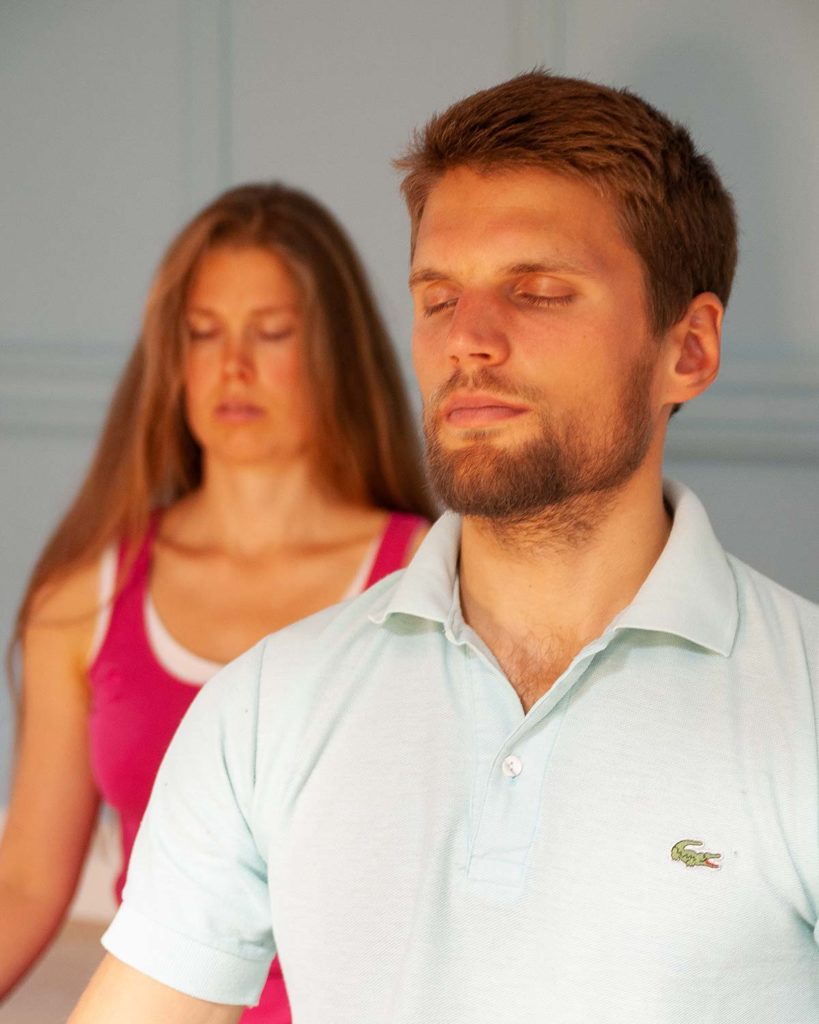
column 477, row 333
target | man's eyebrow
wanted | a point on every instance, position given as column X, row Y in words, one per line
column 426, row 275
column 554, row 265
column 550, row 266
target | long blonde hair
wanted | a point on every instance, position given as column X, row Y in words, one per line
column 365, row 446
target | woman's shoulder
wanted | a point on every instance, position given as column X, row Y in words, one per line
column 67, row 593
column 65, row 609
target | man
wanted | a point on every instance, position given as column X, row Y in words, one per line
column 563, row 768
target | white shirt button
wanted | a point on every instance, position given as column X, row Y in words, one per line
column 512, row 766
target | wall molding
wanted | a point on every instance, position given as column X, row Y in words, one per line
column 56, row 389
column 61, row 388
column 757, row 411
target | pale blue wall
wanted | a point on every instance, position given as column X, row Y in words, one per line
column 120, row 119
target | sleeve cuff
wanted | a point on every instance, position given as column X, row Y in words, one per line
column 182, row 963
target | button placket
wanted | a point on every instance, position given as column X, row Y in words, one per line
column 508, row 789
column 512, row 807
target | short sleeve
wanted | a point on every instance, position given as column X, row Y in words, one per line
column 195, row 913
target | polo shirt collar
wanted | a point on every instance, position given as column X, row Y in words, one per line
column 427, row 586
column 690, row 592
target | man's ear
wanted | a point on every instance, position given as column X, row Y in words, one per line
column 692, row 350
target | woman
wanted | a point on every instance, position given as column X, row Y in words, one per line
column 258, row 463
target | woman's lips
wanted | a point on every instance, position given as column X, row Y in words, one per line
column 238, row 412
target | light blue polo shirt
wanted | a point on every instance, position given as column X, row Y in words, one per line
column 362, row 793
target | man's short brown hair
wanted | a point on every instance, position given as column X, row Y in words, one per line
column 673, row 208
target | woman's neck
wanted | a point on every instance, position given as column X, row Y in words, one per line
column 247, row 510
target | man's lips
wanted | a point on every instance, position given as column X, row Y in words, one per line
column 474, row 410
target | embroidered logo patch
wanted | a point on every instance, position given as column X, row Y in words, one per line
column 693, row 858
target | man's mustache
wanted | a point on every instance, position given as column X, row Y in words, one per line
column 484, row 379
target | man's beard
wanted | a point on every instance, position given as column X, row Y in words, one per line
column 563, row 466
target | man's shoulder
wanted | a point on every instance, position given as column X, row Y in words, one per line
column 753, row 581
column 266, row 698
column 314, row 653
column 339, row 624
column 766, row 606
column 296, row 649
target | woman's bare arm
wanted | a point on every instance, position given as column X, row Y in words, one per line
column 54, row 800
column 120, row 993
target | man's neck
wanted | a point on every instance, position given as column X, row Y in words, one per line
column 537, row 591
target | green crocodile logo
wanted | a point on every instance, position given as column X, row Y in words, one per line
column 693, row 858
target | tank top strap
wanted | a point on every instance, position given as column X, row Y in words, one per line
column 395, row 541
column 125, row 625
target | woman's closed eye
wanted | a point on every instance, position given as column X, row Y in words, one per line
column 202, row 333
column 271, row 333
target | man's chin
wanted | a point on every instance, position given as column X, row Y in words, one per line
column 481, row 479
column 481, row 439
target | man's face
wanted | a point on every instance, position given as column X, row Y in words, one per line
column 531, row 343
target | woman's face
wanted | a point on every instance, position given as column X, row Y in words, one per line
column 243, row 358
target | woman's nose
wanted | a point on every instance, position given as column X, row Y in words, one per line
column 237, row 357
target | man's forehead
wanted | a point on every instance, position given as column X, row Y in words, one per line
column 521, row 216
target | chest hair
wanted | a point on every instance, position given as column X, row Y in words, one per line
column 532, row 663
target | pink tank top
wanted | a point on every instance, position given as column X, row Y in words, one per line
column 136, row 705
